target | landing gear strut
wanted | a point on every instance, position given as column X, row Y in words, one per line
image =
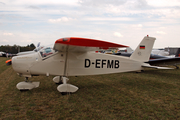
column 27, row 85
column 176, row 66
column 58, row 80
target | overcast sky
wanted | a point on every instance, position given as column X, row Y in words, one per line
column 125, row 22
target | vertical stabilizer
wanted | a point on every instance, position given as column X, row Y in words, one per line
column 143, row 50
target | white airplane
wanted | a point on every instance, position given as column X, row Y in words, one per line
column 160, row 52
column 2, row 54
column 38, row 47
column 74, row 57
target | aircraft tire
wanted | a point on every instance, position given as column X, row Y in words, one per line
column 23, row 90
column 59, row 83
column 64, row 93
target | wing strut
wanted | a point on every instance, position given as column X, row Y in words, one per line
column 66, row 58
column 65, row 87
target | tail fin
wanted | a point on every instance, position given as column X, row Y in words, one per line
column 143, row 51
column 178, row 53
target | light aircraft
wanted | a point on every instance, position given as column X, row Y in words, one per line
column 38, row 47
column 158, row 60
column 160, row 52
column 76, row 57
column 126, row 54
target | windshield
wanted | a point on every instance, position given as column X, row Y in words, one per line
column 47, row 51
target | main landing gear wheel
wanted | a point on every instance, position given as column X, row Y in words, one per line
column 27, row 85
column 66, row 88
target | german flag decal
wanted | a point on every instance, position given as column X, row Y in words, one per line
column 142, row 47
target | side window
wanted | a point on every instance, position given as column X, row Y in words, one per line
column 46, row 52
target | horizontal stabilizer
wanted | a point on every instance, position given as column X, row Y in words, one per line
column 156, row 67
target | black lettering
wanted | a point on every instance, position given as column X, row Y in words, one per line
column 87, row 63
column 110, row 64
column 98, row 63
column 116, row 64
column 103, row 63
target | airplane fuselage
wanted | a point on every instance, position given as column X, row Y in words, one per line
column 72, row 64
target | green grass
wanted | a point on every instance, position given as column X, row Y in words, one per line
column 153, row 94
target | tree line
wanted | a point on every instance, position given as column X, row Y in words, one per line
column 16, row 48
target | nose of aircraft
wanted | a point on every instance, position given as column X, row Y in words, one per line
column 22, row 64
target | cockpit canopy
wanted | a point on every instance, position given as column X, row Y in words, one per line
column 47, row 51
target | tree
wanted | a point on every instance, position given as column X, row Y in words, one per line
column 32, row 45
column 15, row 48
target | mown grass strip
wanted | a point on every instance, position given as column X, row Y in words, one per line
column 153, row 94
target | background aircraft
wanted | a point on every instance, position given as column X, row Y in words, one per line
column 158, row 60
column 38, row 47
column 160, row 52
column 2, row 54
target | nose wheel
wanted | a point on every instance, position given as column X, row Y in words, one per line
column 27, row 85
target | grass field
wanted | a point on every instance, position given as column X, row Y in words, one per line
column 153, row 94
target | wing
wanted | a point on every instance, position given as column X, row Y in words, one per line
column 165, row 61
column 74, row 44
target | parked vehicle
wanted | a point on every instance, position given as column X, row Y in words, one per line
column 2, row 54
